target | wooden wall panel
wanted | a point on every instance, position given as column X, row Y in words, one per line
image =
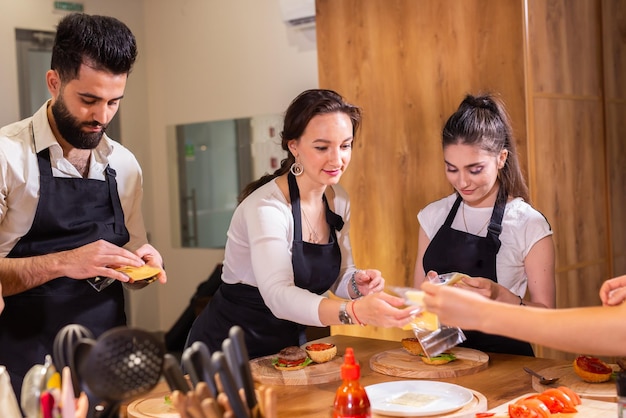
column 614, row 25
column 569, row 160
column 563, row 33
column 614, row 32
column 616, row 158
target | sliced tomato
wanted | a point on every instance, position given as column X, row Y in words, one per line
column 568, row 404
column 484, row 414
column 529, row 408
column 554, row 405
column 573, row 395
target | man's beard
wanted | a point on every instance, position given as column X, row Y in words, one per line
column 70, row 127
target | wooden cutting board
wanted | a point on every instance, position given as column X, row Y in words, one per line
column 568, row 377
column 152, row 407
column 398, row 362
column 264, row 372
column 590, row 408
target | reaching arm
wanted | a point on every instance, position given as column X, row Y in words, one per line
column 592, row 330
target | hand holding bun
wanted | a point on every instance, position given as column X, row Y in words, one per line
column 140, row 273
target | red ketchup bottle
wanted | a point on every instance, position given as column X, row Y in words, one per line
column 351, row 400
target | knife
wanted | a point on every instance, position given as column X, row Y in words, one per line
column 242, row 362
column 174, row 375
column 218, row 362
column 197, row 361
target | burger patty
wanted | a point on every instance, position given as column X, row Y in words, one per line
column 292, row 353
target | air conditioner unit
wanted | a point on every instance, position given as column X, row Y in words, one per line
column 299, row 14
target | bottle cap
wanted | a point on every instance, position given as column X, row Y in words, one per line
column 350, row 369
column 621, row 384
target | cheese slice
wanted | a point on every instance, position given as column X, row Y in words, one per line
column 139, row 273
column 424, row 320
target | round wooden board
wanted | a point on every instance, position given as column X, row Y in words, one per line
column 152, row 407
column 400, row 363
column 264, row 372
column 569, row 378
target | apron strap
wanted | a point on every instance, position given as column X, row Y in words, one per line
column 495, row 224
column 118, row 214
column 294, row 196
column 453, row 211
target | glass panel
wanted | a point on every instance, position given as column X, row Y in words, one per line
column 216, row 160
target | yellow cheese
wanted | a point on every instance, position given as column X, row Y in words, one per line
column 424, row 320
column 139, row 273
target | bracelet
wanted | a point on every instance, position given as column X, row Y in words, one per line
column 355, row 288
column 521, row 300
column 354, row 315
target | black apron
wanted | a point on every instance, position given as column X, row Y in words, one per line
column 452, row 250
column 71, row 212
column 316, row 268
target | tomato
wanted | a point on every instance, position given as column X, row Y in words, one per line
column 554, row 405
column 319, row 347
column 484, row 414
column 568, row 404
column 528, row 408
column 573, row 395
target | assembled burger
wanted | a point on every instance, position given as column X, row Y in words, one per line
column 291, row 358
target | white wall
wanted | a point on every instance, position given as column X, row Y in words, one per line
column 198, row 61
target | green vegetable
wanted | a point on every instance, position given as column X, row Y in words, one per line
column 445, row 356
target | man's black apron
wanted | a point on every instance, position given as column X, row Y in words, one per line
column 452, row 250
column 315, row 266
column 71, row 212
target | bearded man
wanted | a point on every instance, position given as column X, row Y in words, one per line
column 70, row 199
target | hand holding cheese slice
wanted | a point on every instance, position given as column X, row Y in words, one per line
column 140, row 273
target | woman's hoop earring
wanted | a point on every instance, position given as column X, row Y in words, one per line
column 296, row 169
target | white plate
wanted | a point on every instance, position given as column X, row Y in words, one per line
column 437, row 397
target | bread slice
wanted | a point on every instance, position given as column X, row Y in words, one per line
column 412, row 346
column 598, row 373
column 321, row 352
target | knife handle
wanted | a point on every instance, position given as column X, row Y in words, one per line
column 218, row 362
column 237, row 337
column 174, row 375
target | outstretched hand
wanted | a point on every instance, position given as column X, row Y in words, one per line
column 383, row 310
column 613, row 291
column 454, row 306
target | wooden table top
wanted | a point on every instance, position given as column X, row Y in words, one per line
column 503, row 380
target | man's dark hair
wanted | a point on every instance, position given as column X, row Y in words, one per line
column 102, row 42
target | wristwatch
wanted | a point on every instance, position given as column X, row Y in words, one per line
column 344, row 316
